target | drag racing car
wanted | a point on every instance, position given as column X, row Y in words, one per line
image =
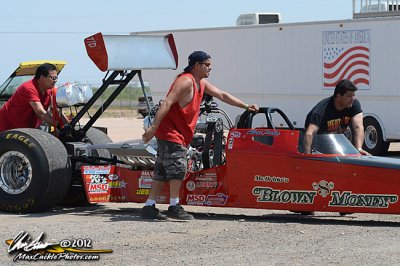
column 264, row 168
column 257, row 163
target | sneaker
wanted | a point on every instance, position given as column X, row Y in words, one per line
column 178, row 212
column 151, row 212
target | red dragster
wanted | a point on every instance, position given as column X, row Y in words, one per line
column 265, row 168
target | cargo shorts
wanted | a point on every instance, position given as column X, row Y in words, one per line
column 171, row 162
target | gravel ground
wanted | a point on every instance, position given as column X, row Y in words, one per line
column 216, row 236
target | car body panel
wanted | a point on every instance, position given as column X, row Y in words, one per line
column 269, row 173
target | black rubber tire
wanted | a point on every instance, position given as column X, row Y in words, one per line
column 50, row 170
column 96, row 136
column 373, row 142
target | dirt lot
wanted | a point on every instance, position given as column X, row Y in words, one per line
column 216, row 236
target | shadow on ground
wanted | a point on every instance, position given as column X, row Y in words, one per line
column 319, row 218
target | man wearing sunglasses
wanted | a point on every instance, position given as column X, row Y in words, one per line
column 174, row 127
column 27, row 107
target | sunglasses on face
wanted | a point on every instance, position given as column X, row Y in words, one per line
column 53, row 78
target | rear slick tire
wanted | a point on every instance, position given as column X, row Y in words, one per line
column 35, row 171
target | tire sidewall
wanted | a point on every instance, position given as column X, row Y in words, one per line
column 381, row 146
column 14, row 140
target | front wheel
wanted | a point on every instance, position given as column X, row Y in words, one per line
column 373, row 137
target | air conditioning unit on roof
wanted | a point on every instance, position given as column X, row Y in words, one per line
column 258, row 18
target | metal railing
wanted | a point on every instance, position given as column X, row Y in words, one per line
column 375, row 8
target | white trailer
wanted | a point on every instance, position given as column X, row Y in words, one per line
column 293, row 66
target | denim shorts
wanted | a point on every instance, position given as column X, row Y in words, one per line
column 171, row 162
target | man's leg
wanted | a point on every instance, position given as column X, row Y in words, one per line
column 174, row 189
column 155, row 191
column 150, row 211
column 175, row 210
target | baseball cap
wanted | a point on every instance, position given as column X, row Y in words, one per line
column 196, row 56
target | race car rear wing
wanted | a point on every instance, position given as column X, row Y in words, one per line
column 122, row 56
column 127, row 52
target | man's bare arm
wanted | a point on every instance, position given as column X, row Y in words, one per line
column 41, row 113
column 358, row 128
column 227, row 97
column 312, row 129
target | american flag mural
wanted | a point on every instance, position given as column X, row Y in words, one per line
column 346, row 55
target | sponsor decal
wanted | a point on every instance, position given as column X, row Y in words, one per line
column 98, row 188
column 117, row 184
column 263, row 132
column 209, row 176
column 98, row 179
column 349, row 199
column 272, row 179
column 107, row 198
column 147, row 174
column 143, row 191
column 195, row 199
column 190, row 185
column 267, row 194
column 206, row 184
column 98, row 169
column 113, row 177
column 218, row 199
column 27, row 248
column 145, row 182
column 211, row 200
column 21, row 138
column 230, row 144
column 235, row 134
column 323, row 187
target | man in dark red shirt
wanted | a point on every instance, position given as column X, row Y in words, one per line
column 174, row 127
column 27, row 107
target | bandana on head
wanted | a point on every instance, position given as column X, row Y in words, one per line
column 196, row 56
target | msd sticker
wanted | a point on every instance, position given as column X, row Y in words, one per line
column 195, row 199
column 211, row 200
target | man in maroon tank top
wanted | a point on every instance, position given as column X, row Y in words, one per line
column 174, row 127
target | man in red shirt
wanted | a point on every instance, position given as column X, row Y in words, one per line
column 174, row 127
column 27, row 107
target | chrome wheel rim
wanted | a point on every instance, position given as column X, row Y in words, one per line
column 15, row 172
column 371, row 137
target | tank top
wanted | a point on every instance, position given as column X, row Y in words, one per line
column 179, row 124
